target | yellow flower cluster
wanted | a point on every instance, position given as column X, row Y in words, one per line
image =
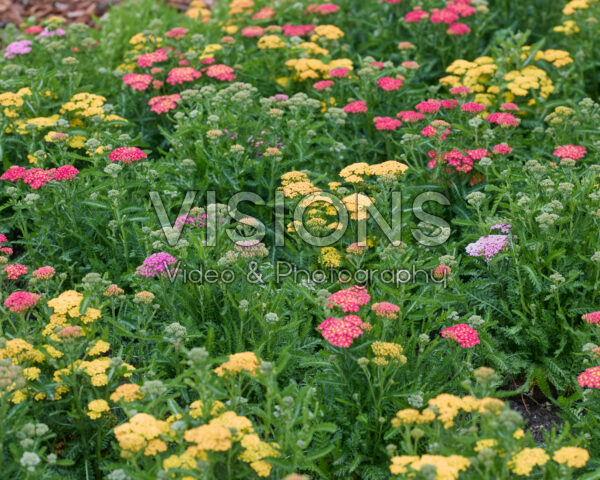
column 447, row 468
column 128, row 392
column 198, row 10
column 312, row 68
column 411, row 416
column 270, row 42
column 476, row 75
column 528, row 78
column 141, row 432
column 237, row 7
column 85, row 104
column 38, row 122
column 66, row 306
column 12, row 101
column 446, row 407
column 329, row 32
column 528, row 458
column 560, row 115
column 297, row 183
column 330, row 257
column 96, row 408
column 568, row 27
column 574, row 457
column 197, row 408
column 357, row 204
column 571, row 7
column 99, row 348
column 255, row 450
column 386, row 351
column 558, row 58
column 20, row 351
column 356, row 172
column 311, row 48
column 211, row 437
column 238, row 362
column 485, row 443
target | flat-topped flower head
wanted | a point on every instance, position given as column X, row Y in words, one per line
column 138, row 81
column 341, row 332
column 356, row 107
column 386, row 123
column 156, row 264
column 176, row 33
column 164, row 103
column 221, row 72
column 20, row 47
column 574, row 152
column 386, row 310
column 14, row 173
column 592, row 318
column 14, row 271
column 126, row 155
column 44, row 273
column 66, row 172
column 149, row 59
column 389, row 84
column 463, row 334
column 179, row 75
column 18, row 302
column 590, row 378
column 488, row 247
column 349, row 299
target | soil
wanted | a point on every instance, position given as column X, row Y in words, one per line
column 15, row 11
column 540, row 417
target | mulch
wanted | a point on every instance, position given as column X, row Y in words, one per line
column 15, row 11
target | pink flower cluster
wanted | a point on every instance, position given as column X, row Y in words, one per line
column 472, row 107
column 21, row 47
column 593, row 318
column 179, row 75
column 44, row 273
column 449, row 16
column 194, row 222
column 590, row 378
column 18, row 302
column 386, row 123
column 323, row 85
column 297, row 30
column 462, row 333
column 253, row 31
column 574, row 152
column 156, row 264
column 341, row 332
column 349, row 299
column 339, row 72
column 148, row 59
column 386, row 310
column 221, row 72
column 389, row 84
column 356, row 107
column 410, row 116
column 14, row 271
column 323, row 9
column 264, row 13
column 502, row 149
column 5, row 250
column 38, row 177
column 137, row 81
column 126, row 155
column 176, row 33
column 164, row 103
column 488, row 246
column 503, row 119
